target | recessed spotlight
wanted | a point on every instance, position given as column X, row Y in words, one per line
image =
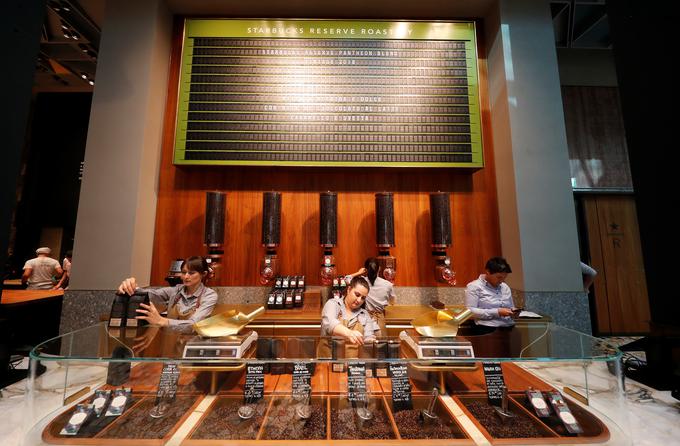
column 83, row 75
column 91, row 82
column 67, row 36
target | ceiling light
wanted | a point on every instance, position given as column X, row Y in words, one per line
column 83, row 75
column 91, row 82
column 66, row 35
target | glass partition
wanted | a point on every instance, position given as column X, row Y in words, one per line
column 191, row 390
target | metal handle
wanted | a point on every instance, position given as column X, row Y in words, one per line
column 255, row 313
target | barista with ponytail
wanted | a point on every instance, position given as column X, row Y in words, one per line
column 380, row 294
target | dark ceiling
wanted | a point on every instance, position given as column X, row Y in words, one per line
column 69, row 45
column 72, row 30
column 580, row 24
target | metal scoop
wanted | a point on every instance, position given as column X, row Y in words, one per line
column 503, row 412
column 225, row 324
column 304, row 409
column 246, row 412
column 441, row 323
column 363, row 411
column 428, row 415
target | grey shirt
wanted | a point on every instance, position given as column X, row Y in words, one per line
column 42, row 270
column 484, row 301
column 588, row 270
column 335, row 310
column 178, row 296
column 379, row 295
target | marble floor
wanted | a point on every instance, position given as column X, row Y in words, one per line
column 650, row 417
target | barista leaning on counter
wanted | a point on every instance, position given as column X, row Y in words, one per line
column 187, row 303
column 346, row 317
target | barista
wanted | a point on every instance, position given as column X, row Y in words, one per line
column 187, row 303
column 346, row 317
column 489, row 297
column 381, row 293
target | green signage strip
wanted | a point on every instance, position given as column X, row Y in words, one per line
column 329, row 93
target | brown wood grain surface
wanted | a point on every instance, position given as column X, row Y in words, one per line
column 180, row 210
column 11, row 297
column 622, row 302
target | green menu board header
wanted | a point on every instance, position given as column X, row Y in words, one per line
column 329, row 93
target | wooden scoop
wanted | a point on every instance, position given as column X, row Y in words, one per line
column 225, row 324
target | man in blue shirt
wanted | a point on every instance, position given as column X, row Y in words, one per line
column 489, row 297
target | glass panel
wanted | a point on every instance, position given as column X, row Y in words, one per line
column 308, row 376
column 524, row 342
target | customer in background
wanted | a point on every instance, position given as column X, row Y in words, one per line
column 39, row 271
column 588, row 273
column 489, row 297
column 66, row 277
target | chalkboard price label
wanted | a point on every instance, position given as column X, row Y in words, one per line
column 253, row 390
column 401, row 387
column 356, row 382
column 493, row 374
column 302, row 376
column 167, row 386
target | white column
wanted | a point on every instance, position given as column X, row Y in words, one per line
column 117, row 208
column 535, row 199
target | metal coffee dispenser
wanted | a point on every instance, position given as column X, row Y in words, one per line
column 271, row 236
column 440, row 214
column 328, row 234
column 384, row 231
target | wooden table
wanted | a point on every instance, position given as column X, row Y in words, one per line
column 33, row 316
column 12, row 284
column 14, row 297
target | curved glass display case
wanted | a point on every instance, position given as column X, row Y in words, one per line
column 531, row 384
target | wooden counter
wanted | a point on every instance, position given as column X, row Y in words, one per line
column 12, row 284
column 33, row 316
column 13, row 297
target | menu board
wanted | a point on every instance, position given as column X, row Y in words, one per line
column 302, row 376
column 401, row 387
column 356, row 382
column 167, row 385
column 328, row 93
column 493, row 375
column 253, row 390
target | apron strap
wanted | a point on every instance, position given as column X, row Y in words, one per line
column 172, row 309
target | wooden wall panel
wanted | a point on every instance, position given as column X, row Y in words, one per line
column 622, row 303
column 596, row 138
column 181, row 203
